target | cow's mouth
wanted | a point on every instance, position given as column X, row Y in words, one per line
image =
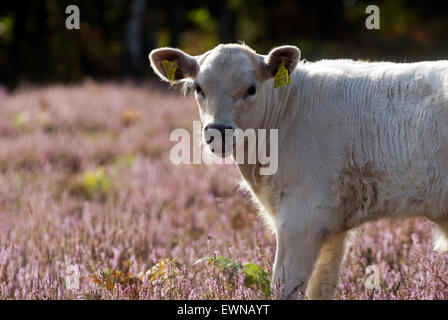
column 224, row 150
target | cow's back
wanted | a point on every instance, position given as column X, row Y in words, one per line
column 396, row 149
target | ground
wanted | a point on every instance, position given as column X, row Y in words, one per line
column 87, row 188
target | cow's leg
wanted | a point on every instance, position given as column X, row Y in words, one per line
column 325, row 277
column 298, row 245
column 441, row 236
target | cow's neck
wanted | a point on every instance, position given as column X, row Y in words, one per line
column 278, row 110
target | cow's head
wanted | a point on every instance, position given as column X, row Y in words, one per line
column 227, row 82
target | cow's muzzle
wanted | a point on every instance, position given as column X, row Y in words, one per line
column 220, row 138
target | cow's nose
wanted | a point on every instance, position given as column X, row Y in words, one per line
column 219, row 127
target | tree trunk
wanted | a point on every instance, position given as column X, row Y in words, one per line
column 227, row 32
column 134, row 35
column 177, row 22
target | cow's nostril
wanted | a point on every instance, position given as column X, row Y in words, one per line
column 220, row 128
column 218, row 134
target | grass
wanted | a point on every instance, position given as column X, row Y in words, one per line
column 86, row 181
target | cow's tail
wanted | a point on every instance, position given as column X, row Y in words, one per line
column 441, row 237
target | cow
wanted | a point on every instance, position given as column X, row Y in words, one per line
column 357, row 141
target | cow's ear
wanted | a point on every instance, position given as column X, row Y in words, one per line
column 173, row 65
column 290, row 55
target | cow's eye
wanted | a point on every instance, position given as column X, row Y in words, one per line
column 252, row 90
column 198, row 89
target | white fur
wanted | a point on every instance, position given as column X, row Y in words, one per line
column 358, row 141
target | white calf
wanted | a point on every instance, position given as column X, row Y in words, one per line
column 358, row 141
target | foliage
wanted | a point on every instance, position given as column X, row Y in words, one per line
column 110, row 279
column 93, row 183
column 255, row 276
column 410, row 30
column 149, row 221
column 22, row 120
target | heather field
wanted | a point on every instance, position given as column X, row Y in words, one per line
column 87, row 188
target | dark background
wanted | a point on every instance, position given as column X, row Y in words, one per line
column 117, row 35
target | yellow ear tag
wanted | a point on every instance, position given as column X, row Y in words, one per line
column 170, row 68
column 282, row 77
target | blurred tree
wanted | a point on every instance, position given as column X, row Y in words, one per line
column 176, row 19
column 134, row 35
column 116, row 36
column 227, row 30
